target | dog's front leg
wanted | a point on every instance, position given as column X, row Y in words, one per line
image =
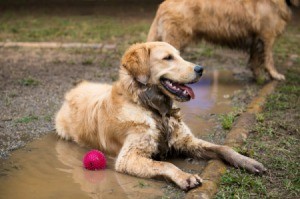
column 183, row 140
column 268, row 57
column 135, row 159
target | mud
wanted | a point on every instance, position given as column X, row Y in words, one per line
column 50, row 167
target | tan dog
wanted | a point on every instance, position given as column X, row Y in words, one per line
column 245, row 24
column 136, row 120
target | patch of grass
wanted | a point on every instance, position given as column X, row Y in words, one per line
column 227, row 120
column 88, row 61
column 275, row 143
column 208, row 52
column 29, row 81
column 26, row 119
column 260, row 117
column 48, row 118
column 237, row 184
column 142, row 184
column 44, row 27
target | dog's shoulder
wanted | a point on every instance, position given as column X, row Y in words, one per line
column 134, row 113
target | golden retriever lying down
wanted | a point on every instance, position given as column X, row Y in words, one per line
column 246, row 24
column 135, row 119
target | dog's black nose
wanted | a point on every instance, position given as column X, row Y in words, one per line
column 198, row 70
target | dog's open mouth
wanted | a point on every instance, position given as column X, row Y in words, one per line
column 180, row 90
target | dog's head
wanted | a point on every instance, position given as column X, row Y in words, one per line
column 159, row 64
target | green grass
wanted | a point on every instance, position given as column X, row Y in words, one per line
column 260, row 117
column 25, row 27
column 208, row 51
column 275, row 143
column 29, row 81
column 142, row 184
column 88, row 61
column 48, row 118
column 26, row 119
column 227, row 120
column 241, row 182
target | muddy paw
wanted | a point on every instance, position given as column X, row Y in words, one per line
column 254, row 167
column 189, row 181
column 240, row 161
column 249, row 164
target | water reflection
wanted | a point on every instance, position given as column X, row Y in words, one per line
column 212, row 93
column 104, row 183
column 206, row 94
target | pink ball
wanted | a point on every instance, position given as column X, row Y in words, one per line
column 94, row 160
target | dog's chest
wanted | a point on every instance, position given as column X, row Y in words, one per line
column 166, row 127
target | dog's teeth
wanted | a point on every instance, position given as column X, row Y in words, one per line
column 185, row 92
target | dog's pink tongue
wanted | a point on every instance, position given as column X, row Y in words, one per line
column 188, row 89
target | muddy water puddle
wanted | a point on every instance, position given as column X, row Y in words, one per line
column 52, row 168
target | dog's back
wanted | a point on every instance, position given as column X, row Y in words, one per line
column 75, row 120
column 250, row 25
column 228, row 22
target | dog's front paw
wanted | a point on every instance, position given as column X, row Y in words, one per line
column 240, row 161
column 249, row 164
column 188, row 181
column 253, row 166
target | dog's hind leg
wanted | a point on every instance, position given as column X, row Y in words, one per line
column 184, row 141
column 256, row 59
column 176, row 36
column 135, row 159
column 268, row 60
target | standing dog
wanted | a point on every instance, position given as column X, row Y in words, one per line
column 245, row 24
column 136, row 120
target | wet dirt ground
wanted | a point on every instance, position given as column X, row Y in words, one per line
column 33, row 82
column 50, row 167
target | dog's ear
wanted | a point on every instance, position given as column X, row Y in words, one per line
column 136, row 62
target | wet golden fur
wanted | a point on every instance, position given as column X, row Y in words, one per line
column 135, row 119
column 252, row 25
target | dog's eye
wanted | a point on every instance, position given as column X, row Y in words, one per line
column 168, row 57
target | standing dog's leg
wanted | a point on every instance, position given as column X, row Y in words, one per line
column 135, row 159
column 268, row 60
column 256, row 59
column 183, row 140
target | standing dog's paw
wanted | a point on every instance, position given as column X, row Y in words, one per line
column 188, row 181
column 277, row 76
